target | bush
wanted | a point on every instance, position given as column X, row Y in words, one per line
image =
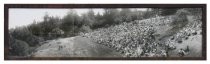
column 196, row 12
column 168, row 11
column 180, row 18
column 148, row 14
column 18, row 48
column 55, row 33
column 22, row 33
column 85, row 29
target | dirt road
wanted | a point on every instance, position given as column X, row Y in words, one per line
column 74, row 47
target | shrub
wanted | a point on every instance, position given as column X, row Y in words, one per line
column 168, row 11
column 85, row 29
column 22, row 33
column 148, row 14
column 180, row 18
column 18, row 47
column 196, row 12
column 55, row 33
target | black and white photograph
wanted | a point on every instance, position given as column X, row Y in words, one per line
column 105, row 32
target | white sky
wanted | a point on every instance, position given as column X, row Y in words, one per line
column 24, row 16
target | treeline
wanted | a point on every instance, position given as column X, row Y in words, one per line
column 73, row 24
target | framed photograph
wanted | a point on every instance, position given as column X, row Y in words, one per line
column 105, row 32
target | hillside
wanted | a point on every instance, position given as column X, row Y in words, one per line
column 153, row 37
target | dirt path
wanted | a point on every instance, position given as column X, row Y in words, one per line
column 74, row 47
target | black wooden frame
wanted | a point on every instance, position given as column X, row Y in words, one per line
column 61, row 6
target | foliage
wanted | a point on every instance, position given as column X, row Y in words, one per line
column 18, row 47
column 22, row 33
column 168, row 11
column 180, row 18
column 69, row 20
column 149, row 13
column 85, row 29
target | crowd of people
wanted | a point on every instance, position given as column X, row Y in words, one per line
column 134, row 39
